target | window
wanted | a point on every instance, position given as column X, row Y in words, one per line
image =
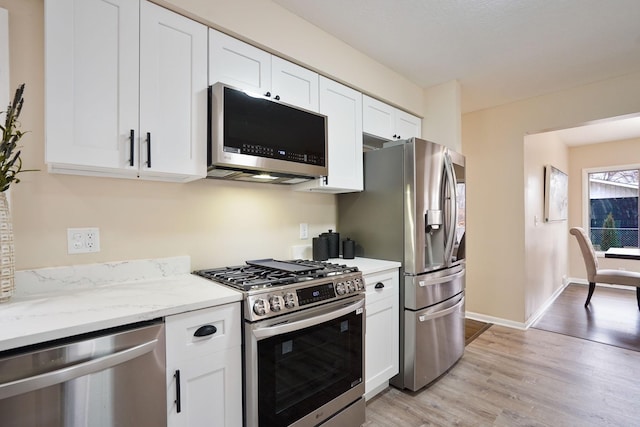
column 612, row 209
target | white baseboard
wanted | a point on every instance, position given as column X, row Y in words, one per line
column 495, row 320
column 519, row 325
column 524, row 326
column 577, row 281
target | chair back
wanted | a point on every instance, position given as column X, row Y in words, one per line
column 588, row 253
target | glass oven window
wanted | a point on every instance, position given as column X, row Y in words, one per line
column 300, row 371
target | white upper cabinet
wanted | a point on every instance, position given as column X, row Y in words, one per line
column 343, row 108
column 125, row 90
column 387, row 122
column 246, row 67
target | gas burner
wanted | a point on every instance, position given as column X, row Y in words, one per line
column 268, row 272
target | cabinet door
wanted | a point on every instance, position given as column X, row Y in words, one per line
column 210, row 367
column 173, row 94
column 238, row 64
column 382, row 335
column 407, row 125
column 378, row 118
column 210, row 391
column 343, row 107
column 91, row 84
column 294, row 84
column 381, row 351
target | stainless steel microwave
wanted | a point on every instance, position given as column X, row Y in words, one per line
column 256, row 138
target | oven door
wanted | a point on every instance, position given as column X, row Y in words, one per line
column 303, row 368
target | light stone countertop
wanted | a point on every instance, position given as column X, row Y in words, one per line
column 60, row 302
column 367, row 265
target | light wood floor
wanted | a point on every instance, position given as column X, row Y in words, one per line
column 510, row 377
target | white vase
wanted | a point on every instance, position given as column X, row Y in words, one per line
column 7, row 265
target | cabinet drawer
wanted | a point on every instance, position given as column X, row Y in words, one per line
column 181, row 331
column 387, row 282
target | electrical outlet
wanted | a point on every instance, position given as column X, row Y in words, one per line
column 304, row 230
column 83, row 240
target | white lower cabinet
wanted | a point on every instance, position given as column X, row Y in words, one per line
column 204, row 373
column 382, row 330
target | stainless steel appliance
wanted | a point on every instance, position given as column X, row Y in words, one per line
column 257, row 138
column 304, row 325
column 111, row 378
column 412, row 211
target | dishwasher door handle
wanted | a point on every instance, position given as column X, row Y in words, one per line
column 36, row 382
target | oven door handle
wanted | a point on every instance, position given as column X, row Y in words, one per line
column 285, row 327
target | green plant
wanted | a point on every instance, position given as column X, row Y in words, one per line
column 609, row 234
column 10, row 161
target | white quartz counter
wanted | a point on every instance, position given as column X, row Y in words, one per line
column 367, row 265
column 60, row 302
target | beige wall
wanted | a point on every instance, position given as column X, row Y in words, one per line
column 498, row 284
column 613, row 153
column 216, row 222
column 545, row 242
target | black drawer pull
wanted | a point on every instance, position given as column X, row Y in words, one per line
column 205, row 330
column 131, row 139
column 379, row 285
column 149, row 149
column 178, row 401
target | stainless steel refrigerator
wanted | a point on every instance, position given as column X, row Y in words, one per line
column 412, row 210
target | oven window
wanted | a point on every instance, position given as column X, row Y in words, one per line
column 300, row 371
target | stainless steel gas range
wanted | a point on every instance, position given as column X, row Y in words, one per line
column 304, row 326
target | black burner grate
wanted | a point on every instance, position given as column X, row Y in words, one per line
column 246, row 277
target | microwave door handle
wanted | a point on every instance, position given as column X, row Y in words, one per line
column 305, row 323
column 453, row 209
column 36, row 382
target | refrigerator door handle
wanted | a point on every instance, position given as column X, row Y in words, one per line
column 436, row 281
column 442, row 313
column 453, row 210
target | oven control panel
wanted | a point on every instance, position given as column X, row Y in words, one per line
column 271, row 302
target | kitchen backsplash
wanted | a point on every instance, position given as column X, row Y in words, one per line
column 42, row 280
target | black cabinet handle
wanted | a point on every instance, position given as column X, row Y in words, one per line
column 379, row 285
column 149, row 149
column 277, row 97
column 205, row 330
column 177, row 401
column 268, row 94
column 131, row 139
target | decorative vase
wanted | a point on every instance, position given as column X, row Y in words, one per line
column 7, row 267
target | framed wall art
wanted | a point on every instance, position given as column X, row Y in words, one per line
column 556, row 194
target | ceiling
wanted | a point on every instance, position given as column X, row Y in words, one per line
column 499, row 50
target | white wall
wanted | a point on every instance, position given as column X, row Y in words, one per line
column 442, row 118
column 545, row 242
column 4, row 59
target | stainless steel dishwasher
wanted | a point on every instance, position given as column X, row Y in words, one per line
column 110, row 378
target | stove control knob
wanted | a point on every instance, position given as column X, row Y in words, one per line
column 261, row 307
column 289, row 300
column 358, row 284
column 350, row 287
column 341, row 289
column 276, row 302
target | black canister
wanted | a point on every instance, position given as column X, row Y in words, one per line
column 334, row 243
column 320, row 247
column 348, row 249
